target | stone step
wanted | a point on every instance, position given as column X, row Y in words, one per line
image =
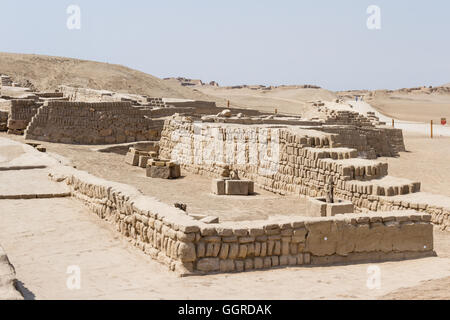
column 355, row 168
column 332, row 153
column 386, row 186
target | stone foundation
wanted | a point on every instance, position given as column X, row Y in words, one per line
column 189, row 246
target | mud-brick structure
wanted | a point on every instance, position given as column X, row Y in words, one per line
column 298, row 161
column 5, row 81
column 3, row 120
column 91, row 123
column 189, row 246
column 21, row 113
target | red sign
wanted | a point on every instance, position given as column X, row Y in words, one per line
column 443, row 121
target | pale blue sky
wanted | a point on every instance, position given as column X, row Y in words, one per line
column 323, row 42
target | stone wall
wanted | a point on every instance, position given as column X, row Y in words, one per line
column 92, row 123
column 371, row 142
column 22, row 111
column 289, row 160
column 87, row 95
column 188, row 246
column 4, row 120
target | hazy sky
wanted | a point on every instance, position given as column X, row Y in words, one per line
column 323, row 42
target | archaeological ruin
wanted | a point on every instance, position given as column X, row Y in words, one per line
column 369, row 215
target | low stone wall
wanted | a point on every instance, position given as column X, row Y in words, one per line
column 341, row 117
column 92, row 123
column 22, row 111
column 188, row 246
column 92, row 95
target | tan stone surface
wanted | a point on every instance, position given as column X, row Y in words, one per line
column 29, row 183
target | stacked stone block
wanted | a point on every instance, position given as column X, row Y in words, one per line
column 370, row 142
column 50, row 95
column 92, row 123
column 343, row 117
column 139, row 154
column 5, row 81
column 156, row 102
column 163, row 169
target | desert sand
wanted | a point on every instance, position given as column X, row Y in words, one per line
column 289, row 100
column 419, row 107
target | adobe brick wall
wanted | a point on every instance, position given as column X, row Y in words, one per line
column 189, row 247
column 21, row 113
column 289, row 160
column 92, row 123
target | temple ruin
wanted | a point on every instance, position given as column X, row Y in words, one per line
column 377, row 217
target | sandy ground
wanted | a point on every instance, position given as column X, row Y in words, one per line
column 285, row 100
column 45, row 238
column 413, row 107
column 426, row 160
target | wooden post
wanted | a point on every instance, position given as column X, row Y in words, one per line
column 276, row 110
column 392, row 123
column 431, row 126
column 228, row 103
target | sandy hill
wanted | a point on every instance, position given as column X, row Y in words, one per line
column 46, row 73
column 289, row 99
column 420, row 105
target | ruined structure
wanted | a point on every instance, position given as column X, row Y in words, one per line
column 286, row 155
column 91, row 123
column 291, row 160
column 189, row 246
